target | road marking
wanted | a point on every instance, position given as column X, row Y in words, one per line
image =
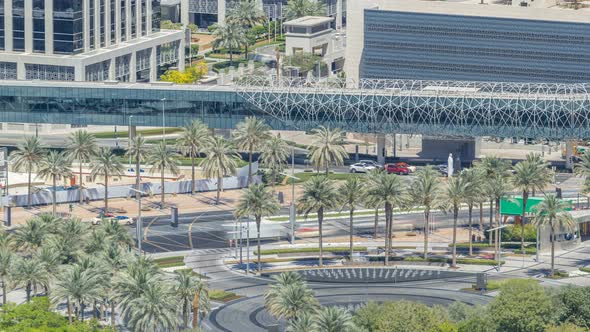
column 190, row 234
column 145, row 231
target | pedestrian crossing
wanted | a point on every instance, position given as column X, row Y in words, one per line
column 211, row 251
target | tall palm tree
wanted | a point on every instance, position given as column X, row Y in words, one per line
column 230, row 36
column 53, row 166
column 185, row 287
column 274, row 155
column 250, row 135
column 492, row 166
column 114, row 259
column 301, row 323
column 475, row 195
column 258, row 202
column 388, row 189
column 70, row 239
column 31, row 235
column 201, row 304
column 51, row 259
column 319, row 194
column 131, row 283
column 496, row 187
column 457, row 189
column 117, row 233
column 77, row 285
column 190, row 142
column 246, row 13
column 333, row 319
column 30, row 273
column 553, row 213
column 426, row 192
column 327, row 147
column 282, row 280
column 292, row 301
column 374, row 202
column 27, row 157
column 529, row 175
column 155, row 310
column 300, row 8
column 81, row 146
column 7, row 258
column 163, row 159
column 221, row 160
column 352, row 193
column 137, row 150
column 106, row 164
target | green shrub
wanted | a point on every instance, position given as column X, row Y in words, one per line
column 511, row 233
column 221, row 295
column 585, row 269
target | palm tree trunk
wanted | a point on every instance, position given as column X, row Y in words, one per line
column 491, row 214
column 249, row 167
column 196, row 301
column 551, row 235
column 54, row 208
column 3, row 291
column 376, row 223
column 470, row 229
column 455, row 215
column 163, row 198
column 106, row 192
column 258, row 220
column 69, row 304
column 137, row 176
column 113, row 324
column 246, row 55
column 497, row 231
column 525, row 196
column 82, row 310
column 351, row 213
column 426, row 229
column 320, row 222
column 29, row 188
column 218, row 190
column 481, row 216
column 387, row 227
column 28, row 291
column 231, row 57
column 274, row 180
column 390, row 233
column 184, row 314
column 80, row 185
column 193, row 174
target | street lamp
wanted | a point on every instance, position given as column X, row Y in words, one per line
column 292, row 207
column 129, row 138
column 138, row 225
column 163, row 120
column 499, row 239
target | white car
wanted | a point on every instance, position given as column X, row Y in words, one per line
column 122, row 220
column 361, row 168
column 370, row 163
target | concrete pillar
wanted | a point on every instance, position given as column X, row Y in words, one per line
column 381, row 151
column 127, row 20
column 96, row 24
column 21, row 73
column 180, row 64
column 339, row 15
column 8, row 44
column 85, row 24
column 133, row 67
column 49, row 27
column 153, row 65
column 221, row 11
column 569, row 155
column 138, row 18
column 112, row 69
column 148, row 17
column 107, row 23
column 117, row 40
column 184, row 18
column 80, row 73
column 28, row 26
column 132, row 133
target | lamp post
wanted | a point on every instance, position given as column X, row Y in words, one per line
column 499, row 239
column 138, row 225
column 292, row 207
column 163, row 120
column 129, row 138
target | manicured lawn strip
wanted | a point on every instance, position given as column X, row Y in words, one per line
column 336, row 214
column 306, row 250
column 487, row 245
column 304, row 176
column 169, row 261
column 222, row 296
column 585, row 269
column 193, row 273
column 144, row 132
column 280, row 260
column 496, row 284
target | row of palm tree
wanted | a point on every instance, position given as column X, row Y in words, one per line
column 82, row 268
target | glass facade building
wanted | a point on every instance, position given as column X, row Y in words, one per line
column 425, row 46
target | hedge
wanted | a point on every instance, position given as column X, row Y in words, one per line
column 304, row 250
column 585, row 269
column 513, row 233
column 487, row 245
column 170, row 261
column 221, row 295
column 469, row 261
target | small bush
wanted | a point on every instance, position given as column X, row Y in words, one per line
column 585, row 269
column 221, row 295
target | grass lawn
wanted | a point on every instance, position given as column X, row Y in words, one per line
column 169, row 261
column 144, row 132
column 336, row 215
column 332, row 176
column 308, row 250
column 222, row 296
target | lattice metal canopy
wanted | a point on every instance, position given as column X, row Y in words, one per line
column 552, row 111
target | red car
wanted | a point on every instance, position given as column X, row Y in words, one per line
column 397, row 169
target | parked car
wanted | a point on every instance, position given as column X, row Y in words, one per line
column 361, row 168
column 370, row 163
column 122, row 220
column 443, row 169
column 395, row 168
column 406, row 165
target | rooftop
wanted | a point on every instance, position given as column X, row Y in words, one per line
column 309, row 21
column 488, row 9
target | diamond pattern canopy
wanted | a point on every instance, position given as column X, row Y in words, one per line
column 453, row 108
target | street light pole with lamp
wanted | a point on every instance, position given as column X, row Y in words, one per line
column 292, row 206
column 499, row 239
column 138, row 224
column 163, row 100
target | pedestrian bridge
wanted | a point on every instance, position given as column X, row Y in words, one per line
column 552, row 111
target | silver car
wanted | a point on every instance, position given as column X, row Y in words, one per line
column 361, row 168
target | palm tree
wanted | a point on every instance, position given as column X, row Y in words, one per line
column 30, row 273
column 582, row 168
column 352, row 194
column 529, row 175
column 70, row 239
column 185, row 287
column 389, row 190
column 300, row 8
column 117, row 233
column 201, row 304
column 475, row 195
column 51, row 259
column 425, row 191
column 319, row 195
column 553, row 213
column 106, row 164
column 137, row 150
column 131, row 283
column 77, row 285
column 7, row 258
column 221, row 160
column 496, row 187
column 492, row 166
column 27, row 157
column 327, row 147
column 190, row 142
column 333, row 319
column 81, row 146
column 301, row 323
column 281, row 281
column 230, row 36
column 162, row 159
column 250, row 135
column 258, row 202
column 374, row 202
column 247, row 14
column 53, row 166
column 31, row 235
column 274, row 155
column 155, row 310
column 457, row 189
column 114, row 260
column 292, row 301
